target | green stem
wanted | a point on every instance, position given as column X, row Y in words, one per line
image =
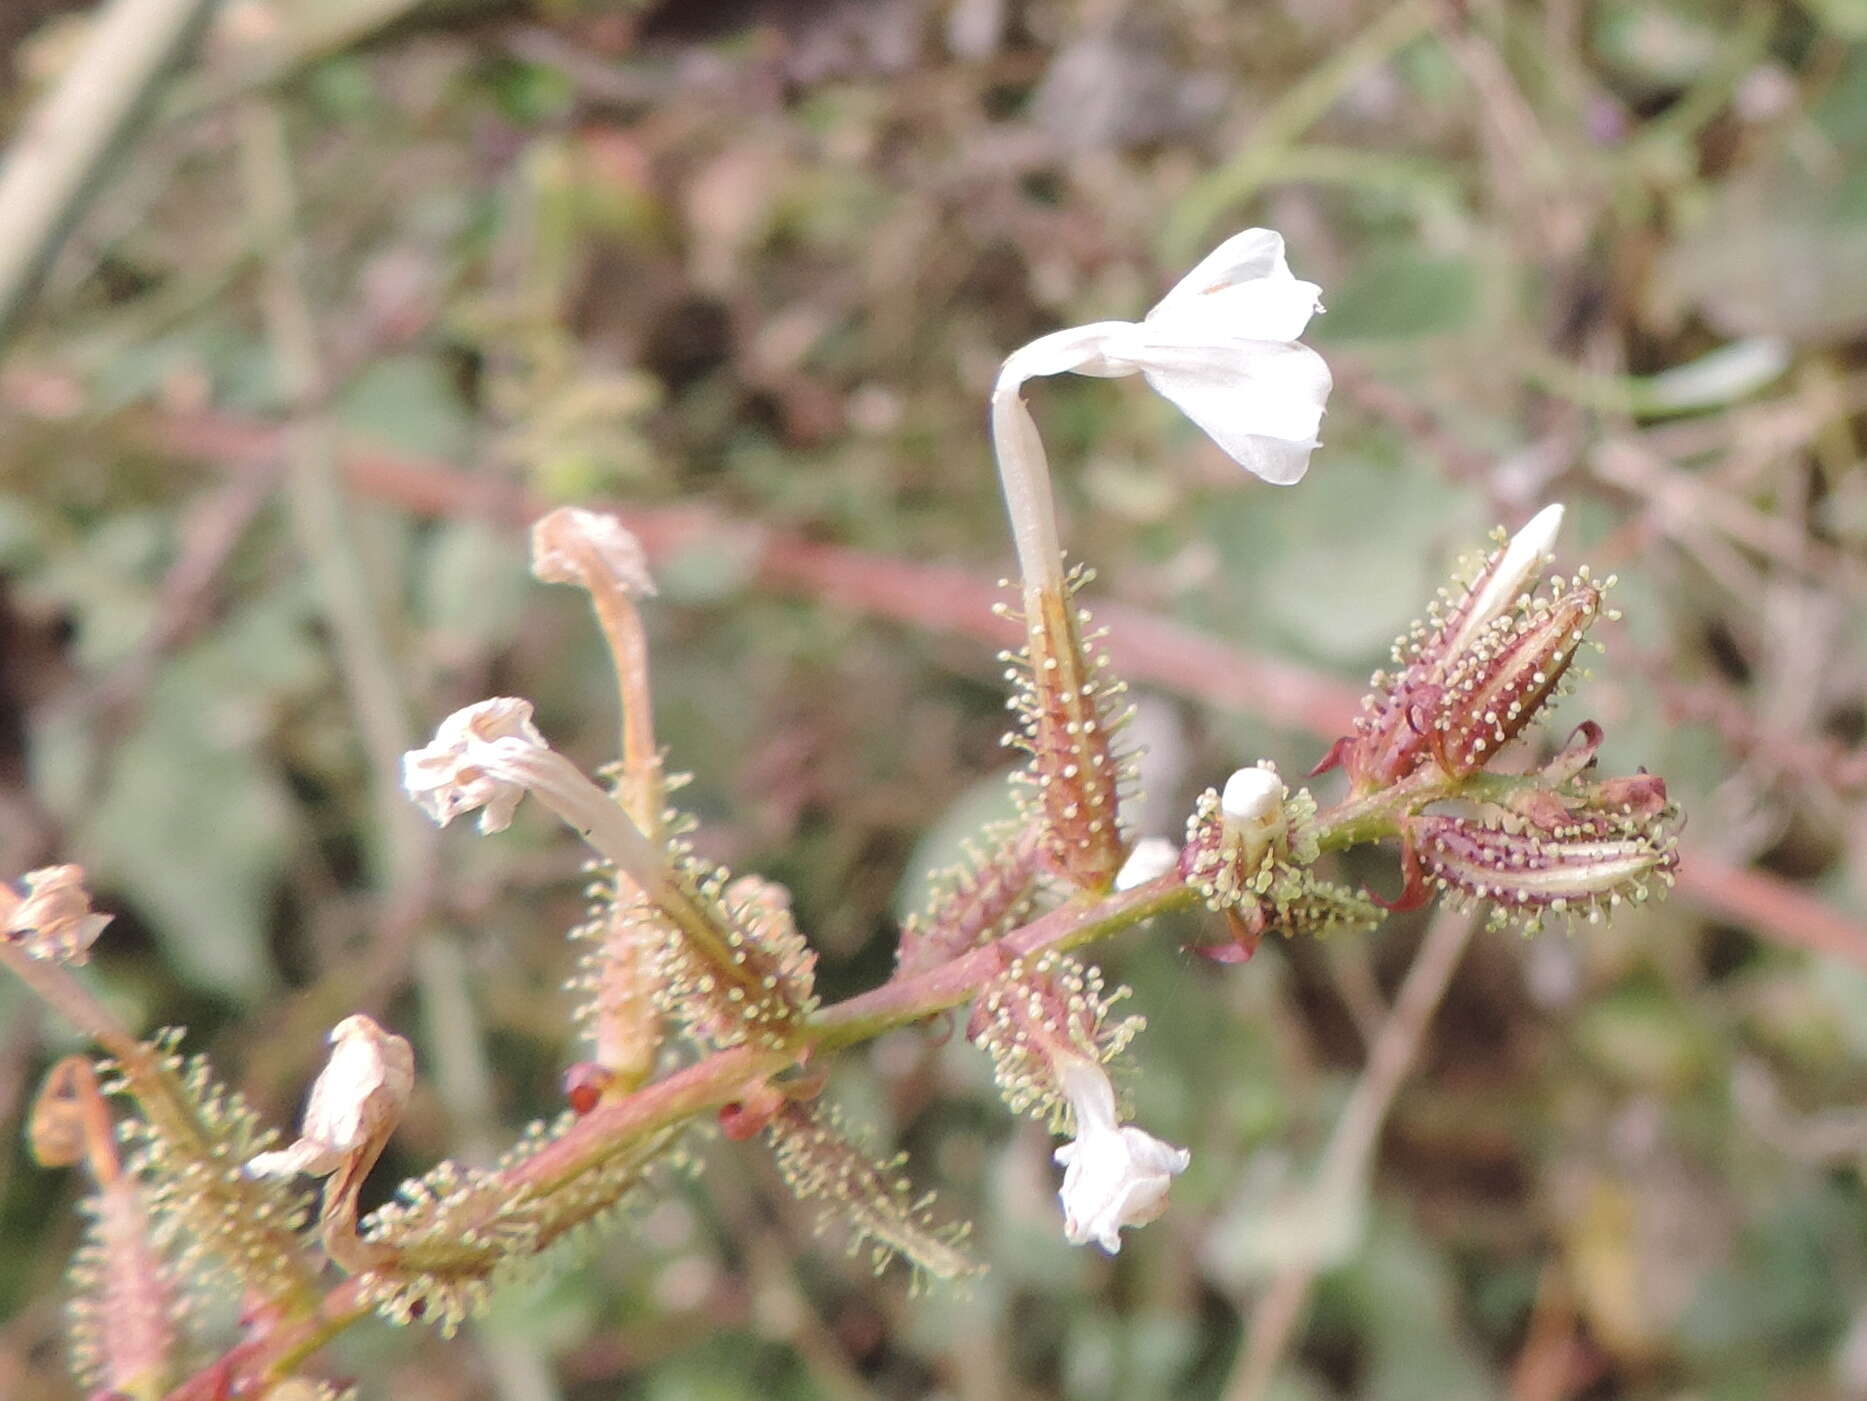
column 1283, row 124
column 1373, row 817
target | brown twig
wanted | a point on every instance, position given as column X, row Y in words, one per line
column 1342, row 1175
column 1145, row 647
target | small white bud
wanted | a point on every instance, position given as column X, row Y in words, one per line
column 1151, row 858
column 355, row 1103
column 1252, row 795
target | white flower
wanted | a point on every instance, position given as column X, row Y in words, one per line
column 355, row 1103
column 1222, row 346
column 1528, row 551
column 54, row 923
column 569, row 538
column 1114, row 1174
column 464, row 767
column 1151, row 858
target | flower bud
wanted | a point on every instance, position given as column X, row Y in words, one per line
column 972, row 905
column 1476, row 673
column 1500, row 683
column 1506, row 577
column 1641, row 796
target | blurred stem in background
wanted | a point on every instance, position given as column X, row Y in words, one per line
column 67, row 143
column 1342, row 1177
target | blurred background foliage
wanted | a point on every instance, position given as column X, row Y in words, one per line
column 749, row 266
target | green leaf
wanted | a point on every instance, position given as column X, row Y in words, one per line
column 1400, row 294
column 193, row 824
column 407, row 402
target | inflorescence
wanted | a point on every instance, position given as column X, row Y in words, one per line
column 696, row 990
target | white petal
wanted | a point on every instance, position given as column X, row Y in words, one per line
column 305, row 1155
column 1260, row 401
column 1115, row 1175
column 1266, row 310
column 1151, row 858
column 1254, row 255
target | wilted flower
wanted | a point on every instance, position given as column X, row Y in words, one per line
column 55, row 923
column 459, row 770
column 1114, row 1174
column 490, row 755
column 571, row 544
column 355, row 1103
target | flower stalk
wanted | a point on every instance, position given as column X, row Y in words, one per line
column 122, row 1314
column 1222, row 345
column 596, row 552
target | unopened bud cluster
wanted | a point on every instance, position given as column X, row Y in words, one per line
column 1482, row 667
column 1615, row 845
column 1485, row 667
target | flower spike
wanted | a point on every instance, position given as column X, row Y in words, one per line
column 1479, row 671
